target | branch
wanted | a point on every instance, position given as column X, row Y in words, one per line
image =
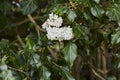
column 19, row 71
column 99, row 76
column 20, row 40
column 25, row 21
column 52, row 53
column 37, row 27
column 98, row 70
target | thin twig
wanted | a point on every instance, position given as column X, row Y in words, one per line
column 20, row 40
column 20, row 71
column 98, row 70
column 25, row 21
column 37, row 27
column 97, row 74
column 52, row 53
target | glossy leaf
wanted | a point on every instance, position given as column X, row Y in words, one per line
column 67, row 74
column 7, row 75
column 97, row 1
column 71, row 15
column 44, row 73
column 115, row 38
column 64, row 72
column 28, row 6
column 79, row 31
column 30, row 44
column 3, row 66
column 114, row 13
column 97, row 11
column 60, row 10
column 70, row 53
column 35, row 61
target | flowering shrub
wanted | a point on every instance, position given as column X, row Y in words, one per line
column 59, row 40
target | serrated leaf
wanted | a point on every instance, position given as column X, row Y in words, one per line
column 71, row 15
column 70, row 53
column 28, row 6
column 44, row 73
column 114, row 13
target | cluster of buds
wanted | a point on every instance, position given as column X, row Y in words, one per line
column 55, row 31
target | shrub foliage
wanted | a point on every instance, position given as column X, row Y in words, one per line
column 27, row 54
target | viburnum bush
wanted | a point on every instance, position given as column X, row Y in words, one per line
column 59, row 39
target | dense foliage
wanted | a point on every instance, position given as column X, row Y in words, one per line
column 27, row 54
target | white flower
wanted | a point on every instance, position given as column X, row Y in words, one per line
column 54, row 33
column 67, row 33
column 45, row 25
column 53, row 20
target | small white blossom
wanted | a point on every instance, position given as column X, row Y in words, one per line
column 54, row 31
column 45, row 25
column 53, row 20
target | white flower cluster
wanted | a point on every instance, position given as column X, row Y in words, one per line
column 54, row 29
column 53, row 20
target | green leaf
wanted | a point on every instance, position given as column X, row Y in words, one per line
column 97, row 1
column 70, row 53
column 3, row 66
column 25, row 79
column 115, row 38
column 4, row 44
column 7, row 75
column 112, row 78
column 114, row 13
column 87, row 15
column 85, row 2
column 60, row 10
column 30, row 45
column 78, row 31
column 71, row 15
column 35, row 60
column 97, row 11
column 63, row 71
column 44, row 73
column 117, row 61
column 67, row 74
column 5, row 7
column 28, row 6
